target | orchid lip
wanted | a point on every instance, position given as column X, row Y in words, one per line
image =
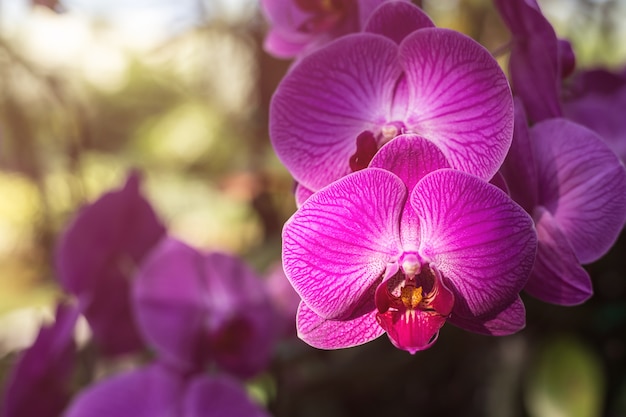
column 413, row 304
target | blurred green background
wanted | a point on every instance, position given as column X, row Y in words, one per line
column 180, row 90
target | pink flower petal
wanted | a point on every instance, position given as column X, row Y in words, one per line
column 459, row 99
column 327, row 100
column 509, row 320
column 534, row 61
column 97, row 256
column 338, row 244
column 557, row 276
column 583, row 185
column 44, row 370
column 476, row 236
column 194, row 308
column 153, row 391
column 338, row 334
column 396, row 20
column 218, row 396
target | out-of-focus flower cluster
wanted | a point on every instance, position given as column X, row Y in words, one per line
column 207, row 319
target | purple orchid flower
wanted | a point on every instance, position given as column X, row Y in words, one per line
column 404, row 246
column 156, row 391
column 44, row 370
column 98, row 255
column 284, row 299
column 538, row 61
column 574, row 187
column 196, row 308
column 597, row 99
column 299, row 27
column 339, row 105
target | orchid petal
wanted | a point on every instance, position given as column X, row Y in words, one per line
column 337, row 334
column 410, row 157
column 583, row 185
column 534, row 60
column 557, row 276
column 327, row 100
column 193, row 307
column 476, row 236
column 509, row 320
column 302, row 194
column 97, row 256
column 338, row 244
column 460, row 99
column 153, row 391
column 44, row 370
column 519, row 168
column 218, row 396
column 396, row 20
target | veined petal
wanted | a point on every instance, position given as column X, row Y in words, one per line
column 410, row 157
column 337, row 334
column 509, row 320
column 396, row 20
column 338, row 244
column 327, row 100
column 476, row 236
column 557, row 276
column 520, row 168
column 460, row 99
column 583, row 185
column 153, row 391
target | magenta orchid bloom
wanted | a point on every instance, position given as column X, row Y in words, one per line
column 404, row 246
column 340, row 104
column 44, row 370
column 574, row 187
column 195, row 309
column 298, row 27
column 597, row 100
column 98, row 255
column 538, row 61
column 156, row 391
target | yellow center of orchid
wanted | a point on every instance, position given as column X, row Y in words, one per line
column 411, row 296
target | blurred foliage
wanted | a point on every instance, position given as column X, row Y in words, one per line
column 566, row 379
column 191, row 113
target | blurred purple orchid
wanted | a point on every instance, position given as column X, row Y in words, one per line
column 284, row 299
column 538, row 61
column 597, row 99
column 156, row 391
column 404, row 246
column 298, row 27
column 44, row 370
column 196, row 308
column 340, row 104
column 97, row 256
column 574, row 187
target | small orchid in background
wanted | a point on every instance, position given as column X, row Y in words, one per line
column 597, row 99
column 197, row 309
column 574, row 187
column 157, row 391
column 97, row 257
column 340, row 104
column 40, row 381
column 298, row 27
column 404, row 246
